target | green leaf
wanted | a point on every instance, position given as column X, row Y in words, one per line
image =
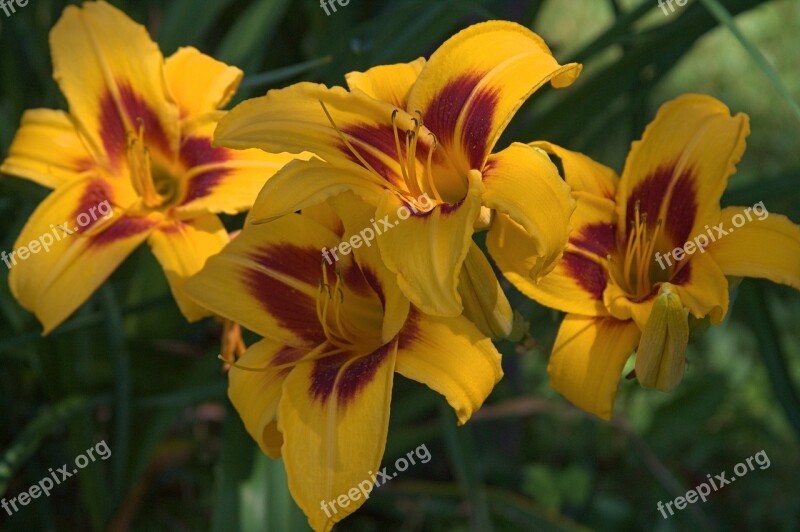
column 185, row 24
column 282, row 74
column 115, row 334
column 759, row 316
column 92, row 479
column 725, row 18
column 575, row 117
column 246, row 43
column 235, row 464
column 27, row 443
column 466, row 465
column 265, row 502
column 541, row 484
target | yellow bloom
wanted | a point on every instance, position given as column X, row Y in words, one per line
column 316, row 390
column 610, row 279
column 423, row 127
column 138, row 135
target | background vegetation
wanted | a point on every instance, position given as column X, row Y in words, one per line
column 128, row 369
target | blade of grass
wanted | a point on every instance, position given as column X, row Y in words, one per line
column 466, row 468
column 186, row 396
column 236, row 462
column 520, row 510
column 92, row 480
column 169, row 407
column 80, row 322
column 646, row 63
column 282, row 74
column 51, row 417
column 760, row 319
column 616, row 33
column 264, row 500
column 28, row 441
column 724, row 17
column 247, row 41
column 178, row 29
column 122, row 390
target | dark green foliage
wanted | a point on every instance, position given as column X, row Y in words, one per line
column 128, row 369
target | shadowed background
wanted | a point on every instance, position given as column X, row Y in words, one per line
column 128, row 369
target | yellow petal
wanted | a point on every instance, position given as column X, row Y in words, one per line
column 475, row 82
column 387, row 83
column 325, row 215
column 199, row 83
column 427, row 249
column 660, row 358
column 485, row 304
column 623, row 308
column 768, row 246
column 702, row 287
column 587, row 361
column 255, row 394
column 334, row 417
column 52, row 284
column 217, row 180
column 680, row 168
column 577, row 282
column 355, row 214
column 582, row 173
column 522, row 183
column 47, row 149
column 452, row 357
column 293, row 120
column 267, row 279
column 303, row 184
column 182, row 249
column 111, row 73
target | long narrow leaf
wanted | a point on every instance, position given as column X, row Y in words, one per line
column 725, row 18
column 760, row 319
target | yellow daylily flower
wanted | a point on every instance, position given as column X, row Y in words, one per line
column 316, row 389
column 426, row 127
column 138, row 136
column 622, row 281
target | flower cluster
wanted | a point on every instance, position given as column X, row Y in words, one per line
column 315, row 165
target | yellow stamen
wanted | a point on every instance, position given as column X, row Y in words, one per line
column 412, row 157
column 140, row 168
column 429, row 176
column 336, row 335
column 278, row 367
column 613, row 271
column 641, row 252
column 357, row 155
column 647, row 257
column 337, row 308
column 639, row 255
column 411, row 163
column 397, row 145
column 347, row 142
